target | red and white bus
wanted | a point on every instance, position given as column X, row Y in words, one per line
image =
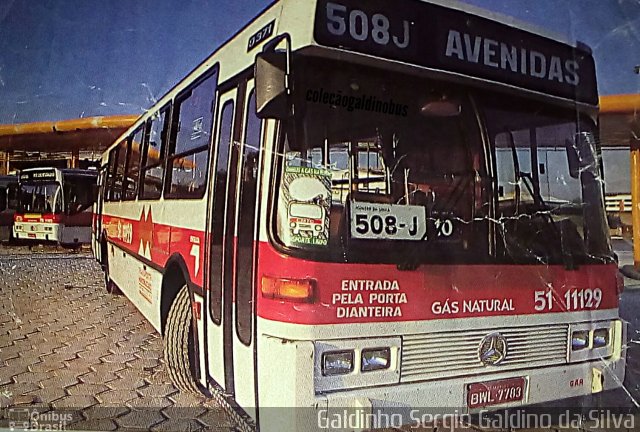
column 55, row 205
column 376, row 205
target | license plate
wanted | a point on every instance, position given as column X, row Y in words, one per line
column 491, row 393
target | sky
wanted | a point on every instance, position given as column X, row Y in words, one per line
column 63, row 59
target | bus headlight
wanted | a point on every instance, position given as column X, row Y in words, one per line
column 337, row 363
column 342, row 364
column 601, row 338
column 375, row 359
column 593, row 341
column 580, row 340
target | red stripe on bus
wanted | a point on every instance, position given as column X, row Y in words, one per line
column 157, row 242
column 360, row 293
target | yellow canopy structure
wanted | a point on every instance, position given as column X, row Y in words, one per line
column 89, row 133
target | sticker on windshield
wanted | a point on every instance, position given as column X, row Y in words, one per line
column 307, row 193
column 387, row 221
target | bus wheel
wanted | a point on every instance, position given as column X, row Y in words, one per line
column 109, row 284
column 179, row 349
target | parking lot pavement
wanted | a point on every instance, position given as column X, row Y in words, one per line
column 75, row 357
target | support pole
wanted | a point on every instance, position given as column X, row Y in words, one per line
column 635, row 199
column 75, row 158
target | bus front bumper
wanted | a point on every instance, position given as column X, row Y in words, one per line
column 417, row 403
column 422, row 404
column 36, row 231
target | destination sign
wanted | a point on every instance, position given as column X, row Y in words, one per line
column 451, row 40
column 38, row 176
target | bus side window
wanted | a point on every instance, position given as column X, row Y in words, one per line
column 79, row 194
column 193, row 115
column 118, row 178
column 113, row 157
column 219, row 195
column 152, row 172
column 133, row 166
column 247, row 222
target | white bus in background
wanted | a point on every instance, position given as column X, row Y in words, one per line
column 55, row 205
column 442, row 269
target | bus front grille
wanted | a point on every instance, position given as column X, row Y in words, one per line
column 451, row 354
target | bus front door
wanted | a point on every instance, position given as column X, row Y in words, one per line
column 230, row 345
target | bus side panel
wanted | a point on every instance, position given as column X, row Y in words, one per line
column 189, row 242
column 139, row 282
column 75, row 234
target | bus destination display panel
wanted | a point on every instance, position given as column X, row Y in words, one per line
column 436, row 37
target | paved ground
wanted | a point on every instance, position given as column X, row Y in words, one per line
column 66, row 346
column 74, row 357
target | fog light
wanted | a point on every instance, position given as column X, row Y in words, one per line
column 580, row 340
column 375, row 359
column 337, row 363
column 601, row 338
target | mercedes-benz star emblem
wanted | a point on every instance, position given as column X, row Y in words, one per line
column 493, row 349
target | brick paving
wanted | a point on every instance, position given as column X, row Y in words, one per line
column 66, row 346
column 86, row 360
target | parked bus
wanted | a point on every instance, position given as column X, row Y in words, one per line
column 349, row 204
column 8, row 204
column 55, row 205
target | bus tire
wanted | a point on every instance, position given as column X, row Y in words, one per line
column 179, row 349
column 109, row 284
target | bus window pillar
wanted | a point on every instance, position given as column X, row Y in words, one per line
column 635, row 182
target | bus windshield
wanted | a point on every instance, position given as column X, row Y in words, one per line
column 550, row 200
column 391, row 165
column 380, row 167
column 36, row 197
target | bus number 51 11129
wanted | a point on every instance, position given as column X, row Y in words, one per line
column 574, row 299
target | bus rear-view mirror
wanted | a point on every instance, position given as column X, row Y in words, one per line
column 272, row 99
column 572, row 158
